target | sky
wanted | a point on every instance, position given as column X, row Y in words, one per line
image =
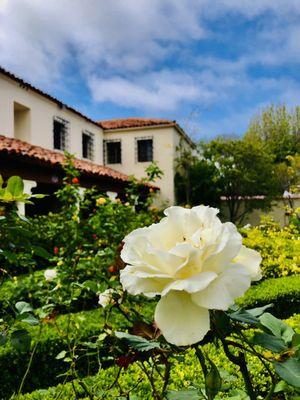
column 209, row 64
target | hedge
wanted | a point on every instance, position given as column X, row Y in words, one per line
column 283, row 292
column 45, row 367
column 184, row 373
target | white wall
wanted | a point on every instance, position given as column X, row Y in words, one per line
column 277, row 212
column 42, row 111
column 164, row 143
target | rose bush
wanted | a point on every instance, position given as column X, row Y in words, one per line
column 195, row 263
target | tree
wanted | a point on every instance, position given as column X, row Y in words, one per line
column 202, row 185
column 278, row 129
column 184, row 162
column 246, row 172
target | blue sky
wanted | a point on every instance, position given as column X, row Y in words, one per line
column 209, row 64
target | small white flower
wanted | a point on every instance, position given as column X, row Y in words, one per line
column 112, row 196
column 106, row 298
column 50, row 274
column 247, row 226
column 195, row 263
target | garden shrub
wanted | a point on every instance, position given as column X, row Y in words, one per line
column 284, row 293
column 186, row 372
column 51, row 340
column 279, row 247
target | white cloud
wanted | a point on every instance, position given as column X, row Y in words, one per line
column 164, row 91
column 116, row 46
column 127, row 35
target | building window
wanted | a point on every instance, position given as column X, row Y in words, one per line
column 112, row 151
column 60, row 133
column 21, row 122
column 144, row 149
column 87, row 145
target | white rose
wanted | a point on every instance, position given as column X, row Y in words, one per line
column 50, row 274
column 195, row 263
column 106, row 298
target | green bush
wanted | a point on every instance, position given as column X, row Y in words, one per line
column 185, row 373
column 36, row 291
column 51, row 340
column 284, row 293
column 279, row 247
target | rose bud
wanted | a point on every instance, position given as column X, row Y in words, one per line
column 112, row 269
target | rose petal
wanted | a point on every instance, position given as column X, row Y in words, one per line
column 180, row 320
column 222, row 292
column 192, row 284
column 251, row 260
column 135, row 283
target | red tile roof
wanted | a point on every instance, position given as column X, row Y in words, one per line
column 123, row 123
column 136, row 122
column 18, row 147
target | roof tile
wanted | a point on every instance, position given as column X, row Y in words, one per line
column 18, row 147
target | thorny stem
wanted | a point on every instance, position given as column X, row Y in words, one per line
column 166, row 377
column 30, row 361
column 156, row 395
column 201, row 359
column 271, row 392
column 241, row 362
column 261, row 358
column 116, row 379
column 86, row 389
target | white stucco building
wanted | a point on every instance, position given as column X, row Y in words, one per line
column 125, row 145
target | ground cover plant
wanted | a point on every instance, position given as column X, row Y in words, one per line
column 68, row 323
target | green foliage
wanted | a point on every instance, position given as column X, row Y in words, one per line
column 83, row 243
column 186, row 378
column 278, row 129
column 279, row 247
column 245, row 170
column 283, row 293
column 86, row 327
column 197, row 183
column 137, row 193
column 14, row 191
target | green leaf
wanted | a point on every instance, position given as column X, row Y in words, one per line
column 1, row 181
column 186, row 394
column 269, row 342
column 213, row 382
column 61, row 355
column 15, row 186
column 238, row 394
column 277, row 327
column 39, row 196
column 23, row 307
column 91, row 285
column 289, row 371
column 137, row 342
column 244, row 316
column 41, row 252
column 258, row 311
column 20, row 340
column 280, row 387
column 30, row 319
column 296, row 340
column 3, row 337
